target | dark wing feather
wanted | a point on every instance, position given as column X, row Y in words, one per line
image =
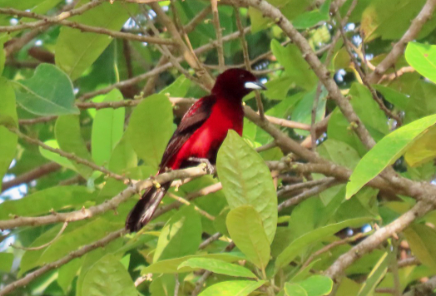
column 191, row 121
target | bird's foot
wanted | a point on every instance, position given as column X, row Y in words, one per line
column 208, row 166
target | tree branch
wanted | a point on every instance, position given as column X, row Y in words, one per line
column 397, row 50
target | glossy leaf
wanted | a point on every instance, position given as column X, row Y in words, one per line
column 108, row 277
column 386, row 152
column 422, row 57
column 172, row 241
column 245, row 228
column 76, row 51
column 107, row 129
column 217, row 266
column 42, row 98
column 232, row 288
column 150, row 128
column 247, row 180
column 292, row 251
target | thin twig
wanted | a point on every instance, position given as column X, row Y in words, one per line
column 186, row 202
column 64, row 226
column 218, row 33
column 68, row 155
column 397, row 50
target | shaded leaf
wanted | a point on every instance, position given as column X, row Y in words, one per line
column 108, row 277
column 42, row 98
column 150, row 128
column 172, row 241
column 296, row 67
column 422, row 241
column 292, row 251
column 42, row 201
column 6, row 260
column 75, row 50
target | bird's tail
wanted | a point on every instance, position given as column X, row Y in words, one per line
column 144, row 209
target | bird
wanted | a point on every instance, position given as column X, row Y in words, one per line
column 199, row 135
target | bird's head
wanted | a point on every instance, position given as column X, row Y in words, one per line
column 235, row 84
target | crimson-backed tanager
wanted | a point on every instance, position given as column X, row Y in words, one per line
column 199, row 136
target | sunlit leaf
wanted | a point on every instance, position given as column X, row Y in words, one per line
column 232, row 288
column 246, row 230
column 422, row 57
column 218, row 266
column 386, row 152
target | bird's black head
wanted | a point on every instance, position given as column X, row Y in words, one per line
column 235, row 84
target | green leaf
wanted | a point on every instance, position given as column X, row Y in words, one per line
column 70, row 240
column 218, row 266
column 232, row 288
column 63, row 161
column 292, row 251
column 42, row 98
column 2, row 57
column 400, row 100
column 339, row 152
column 375, row 276
column 150, row 128
column 6, row 260
column 77, row 51
column 303, row 110
column 8, row 115
column 42, row 201
column 423, row 149
column 108, row 277
column 313, row 17
column 172, row 241
column 246, row 230
column 68, row 135
column 386, row 152
column 422, row 57
column 294, row 290
column 295, row 66
column 123, row 157
column 67, row 273
column 422, row 241
column 247, row 180
column 317, row 285
column 172, row 265
column 107, row 129
column 179, row 88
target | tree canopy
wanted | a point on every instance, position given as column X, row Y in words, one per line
column 329, row 191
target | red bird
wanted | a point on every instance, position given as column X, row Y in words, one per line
column 199, row 135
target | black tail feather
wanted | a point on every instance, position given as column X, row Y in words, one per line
column 144, row 209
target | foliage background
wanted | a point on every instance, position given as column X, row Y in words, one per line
column 329, row 191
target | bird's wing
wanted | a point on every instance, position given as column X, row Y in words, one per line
column 191, row 121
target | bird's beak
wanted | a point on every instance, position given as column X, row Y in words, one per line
column 254, row 85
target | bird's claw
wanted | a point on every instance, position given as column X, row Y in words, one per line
column 207, row 165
